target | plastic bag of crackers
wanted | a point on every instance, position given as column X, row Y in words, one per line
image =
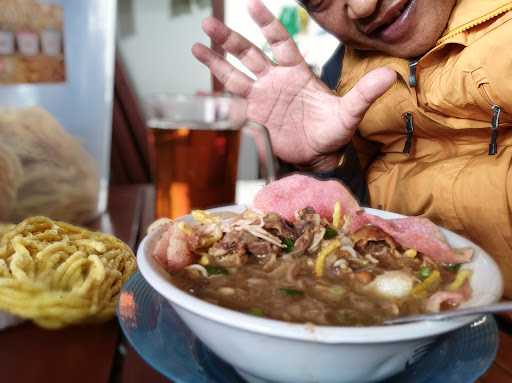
column 43, row 169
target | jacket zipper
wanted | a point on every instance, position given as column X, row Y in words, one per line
column 409, row 130
column 493, row 145
column 495, row 120
column 474, row 23
column 413, row 81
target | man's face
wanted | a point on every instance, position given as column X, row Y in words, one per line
column 401, row 28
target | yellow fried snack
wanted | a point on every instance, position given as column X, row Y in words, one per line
column 57, row 274
column 4, row 228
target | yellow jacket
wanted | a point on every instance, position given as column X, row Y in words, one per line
column 448, row 176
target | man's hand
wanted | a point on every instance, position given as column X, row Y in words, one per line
column 306, row 121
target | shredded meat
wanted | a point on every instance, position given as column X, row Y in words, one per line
column 381, row 251
column 305, row 218
column 372, row 234
column 230, row 251
column 264, row 251
column 303, row 242
column 307, row 225
column 278, row 226
column 260, row 247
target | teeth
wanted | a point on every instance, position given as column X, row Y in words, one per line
column 401, row 10
column 395, row 16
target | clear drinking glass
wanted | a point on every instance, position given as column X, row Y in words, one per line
column 195, row 143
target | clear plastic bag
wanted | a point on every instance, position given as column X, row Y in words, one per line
column 56, row 92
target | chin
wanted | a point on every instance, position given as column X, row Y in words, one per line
column 411, row 50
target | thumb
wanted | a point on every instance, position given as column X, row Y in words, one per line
column 356, row 102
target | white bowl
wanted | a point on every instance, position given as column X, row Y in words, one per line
column 266, row 350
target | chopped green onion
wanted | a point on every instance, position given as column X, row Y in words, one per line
column 330, row 233
column 337, row 290
column 256, row 311
column 424, row 272
column 216, row 270
column 288, row 242
column 292, row 292
column 453, row 267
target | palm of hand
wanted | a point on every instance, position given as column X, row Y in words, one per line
column 291, row 102
column 306, row 122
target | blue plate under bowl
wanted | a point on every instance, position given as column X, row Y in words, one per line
column 162, row 339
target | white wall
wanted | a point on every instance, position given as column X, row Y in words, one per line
column 156, row 46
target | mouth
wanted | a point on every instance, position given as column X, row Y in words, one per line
column 391, row 23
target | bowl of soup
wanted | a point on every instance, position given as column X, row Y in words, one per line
column 305, row 300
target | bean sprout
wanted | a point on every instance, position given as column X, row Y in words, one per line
column 198, row 268
column 350, row 250
column 315, row 244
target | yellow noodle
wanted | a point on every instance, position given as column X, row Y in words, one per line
column 58, row 274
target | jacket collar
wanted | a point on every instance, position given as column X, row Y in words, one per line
column 468, row 14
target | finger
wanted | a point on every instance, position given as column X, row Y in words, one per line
column 248, row 54
column 283, row 47
column 356, row 102
column 234, row 81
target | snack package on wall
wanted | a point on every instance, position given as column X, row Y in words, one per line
column 56, row 91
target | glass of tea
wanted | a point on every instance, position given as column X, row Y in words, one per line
column 195, row 143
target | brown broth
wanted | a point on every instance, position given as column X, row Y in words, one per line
column 301, row 299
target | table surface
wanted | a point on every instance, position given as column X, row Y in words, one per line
column 98, row 353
